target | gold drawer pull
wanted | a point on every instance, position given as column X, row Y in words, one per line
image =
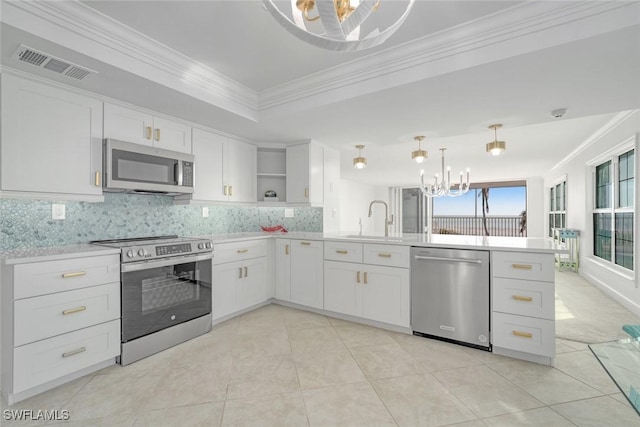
column 157, row 135
column 242, row 251
column 306, row 193
column 75, row 274
column 231, row 190
column 522, row 334
column 149, row 132
column 383, row 255
column 286, row 249
column 365, row 277
column 305, row 243
column 522, row 266
column 74, row 352
column 358, row 277
column 521, row 298
column 340, row 251
column 74, row 310
column 226, row 190
column 97, row 179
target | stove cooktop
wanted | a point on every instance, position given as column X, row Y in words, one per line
column 153, row 247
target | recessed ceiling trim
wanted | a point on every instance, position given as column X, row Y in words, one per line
column 535, row 25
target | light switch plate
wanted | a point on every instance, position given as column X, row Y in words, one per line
column 288, row 212
column 58, row 211
column 205, row 212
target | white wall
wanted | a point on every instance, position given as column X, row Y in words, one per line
column 621, row 285
column 331, row 206
column 354, row 205
column 535, row 207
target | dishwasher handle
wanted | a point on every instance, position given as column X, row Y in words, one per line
column 435, row 258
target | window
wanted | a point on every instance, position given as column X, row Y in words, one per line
column 614, row 210
column 557, row 206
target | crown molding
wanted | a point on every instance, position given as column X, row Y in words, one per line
column 79, row 27
column 619, row 118
column 514, row 31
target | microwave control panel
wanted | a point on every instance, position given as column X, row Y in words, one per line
column 187, row 174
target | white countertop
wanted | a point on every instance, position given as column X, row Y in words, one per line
column 516, row 244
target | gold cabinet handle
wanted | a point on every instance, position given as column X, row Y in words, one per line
column 305, row 243
column 74, row 310
column 74, row 352
column 521, row 298
column 286, row 249
column 242, row 251
column 522, row 334
column 358, row 277
column 239, row 272
column 97, row 180
column 522, row 266
column 226, row 190
column 365, row 277
column 149, row 132
column 157, row 134
column 74, row 274
column 341, row 251
column 306, row 192
column 383, row 255
column 231, row 190
column 246, row 271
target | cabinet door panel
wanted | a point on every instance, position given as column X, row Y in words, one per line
column 316, row 174
column 128, row 125
column 342, row 291
column 307, row 273
column 208, row 151
column 386, row 294
column 242, row 163
column 283, row 269
column 253, row 284
column 225, row 289
column 171, row 135
column 298, row 173
column 51, row 139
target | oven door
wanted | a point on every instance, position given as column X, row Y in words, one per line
column 162, row 293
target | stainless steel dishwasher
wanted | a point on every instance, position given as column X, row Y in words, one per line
column 450, row 295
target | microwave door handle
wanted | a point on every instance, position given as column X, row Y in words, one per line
column 177, row 168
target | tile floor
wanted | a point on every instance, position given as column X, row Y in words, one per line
column 278, row 366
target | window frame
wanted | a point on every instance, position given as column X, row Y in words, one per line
column 552, row 211
column 613, row 155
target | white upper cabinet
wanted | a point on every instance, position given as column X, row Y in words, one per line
column 141, row 128
column 305, row 173
column 240, row 171
column 208, row 149
column 51, row 140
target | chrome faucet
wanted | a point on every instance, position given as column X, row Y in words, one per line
column 387, row 222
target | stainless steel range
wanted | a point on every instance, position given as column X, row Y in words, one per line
column 165, row 292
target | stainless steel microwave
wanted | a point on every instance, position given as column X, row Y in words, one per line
column 130, row 167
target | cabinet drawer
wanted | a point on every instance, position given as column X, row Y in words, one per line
column 343, row 251
column 237, row 251
column 46, row 360
column 526, row 266
column 524, row 297
column 526, row 334
column 64, row 275
column 49, row 315
column 389, row 255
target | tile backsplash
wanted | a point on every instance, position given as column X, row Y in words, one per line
column 28, row 223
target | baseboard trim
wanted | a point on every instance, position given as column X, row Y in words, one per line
column 611, row 292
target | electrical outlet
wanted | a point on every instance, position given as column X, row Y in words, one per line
column 288, row 213
column 205, row 212
column 57, row 211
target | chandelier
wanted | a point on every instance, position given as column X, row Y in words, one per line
column 442, row 187
column 339, row 22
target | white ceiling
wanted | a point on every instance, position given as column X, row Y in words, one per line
column 450, row 71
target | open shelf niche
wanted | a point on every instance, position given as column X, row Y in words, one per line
column 272, row 174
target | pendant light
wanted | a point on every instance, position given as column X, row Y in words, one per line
column 360, row 162
column 419, row 155
column 495, row 148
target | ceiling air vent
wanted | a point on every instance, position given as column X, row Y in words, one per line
column 51, row 63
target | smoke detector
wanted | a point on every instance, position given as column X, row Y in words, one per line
column 557, row 113
column 49, row 62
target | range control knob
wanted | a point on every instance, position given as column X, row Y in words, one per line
column 208, row 245
column 141, row 252
column 200, row 245
column 129, row 253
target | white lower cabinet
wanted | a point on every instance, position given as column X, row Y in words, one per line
column 307, row 284
column 369, row 291
column 283, row 269
column 238, row 284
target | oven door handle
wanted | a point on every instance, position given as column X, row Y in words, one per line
column 146, row 265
